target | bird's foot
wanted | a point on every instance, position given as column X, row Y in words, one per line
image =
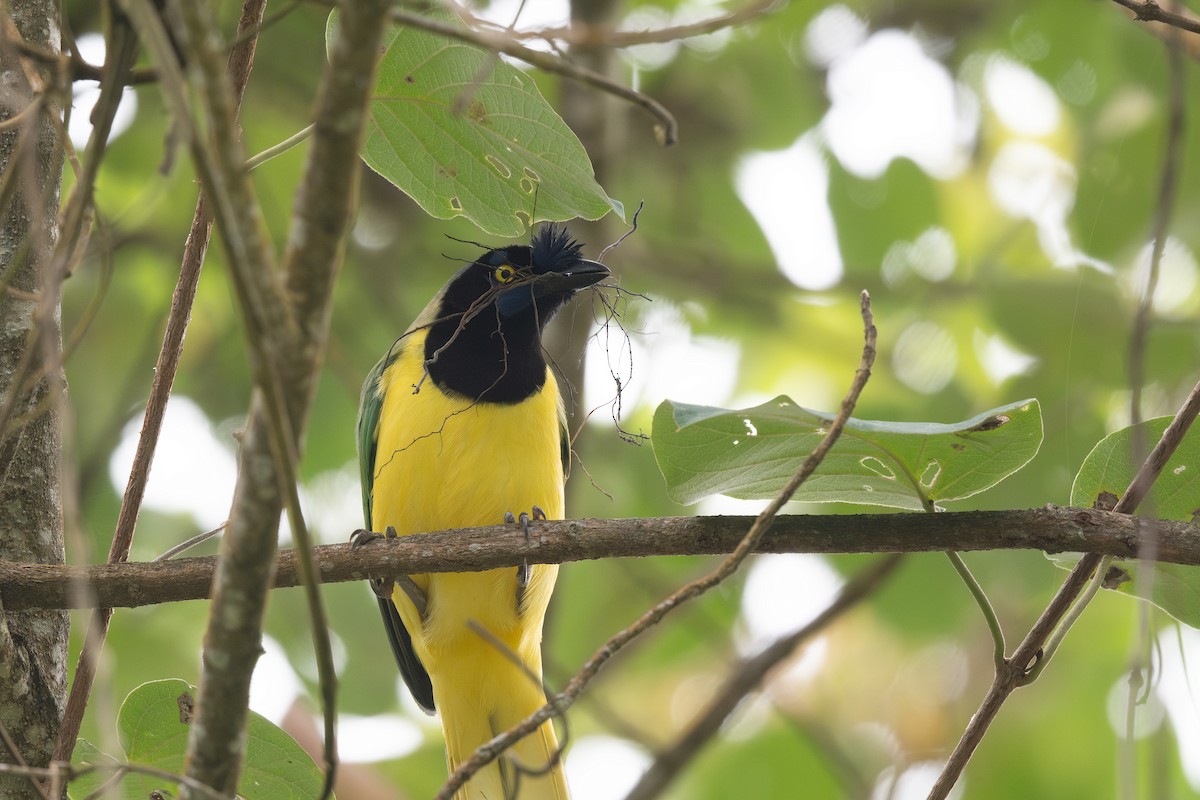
column 538, row 514
column 384, row 587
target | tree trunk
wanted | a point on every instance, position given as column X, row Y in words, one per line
column 33, row 644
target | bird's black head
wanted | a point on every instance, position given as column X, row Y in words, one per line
column 484, row 342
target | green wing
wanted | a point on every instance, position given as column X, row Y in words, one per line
column 369, row 410
column 370, row 406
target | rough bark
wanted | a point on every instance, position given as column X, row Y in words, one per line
column 33, row 644
column 1052, row 529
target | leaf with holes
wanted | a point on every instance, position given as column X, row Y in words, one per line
column 752, row 453
column 1106, row 473
column 464, row 133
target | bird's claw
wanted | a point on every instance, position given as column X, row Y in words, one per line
column 384, row 587
column 524, row 518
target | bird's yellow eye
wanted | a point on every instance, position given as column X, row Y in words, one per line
column 504, row 274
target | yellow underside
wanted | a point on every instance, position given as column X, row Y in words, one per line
column 443, row 463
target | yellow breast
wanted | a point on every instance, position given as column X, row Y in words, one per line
column 446, row 462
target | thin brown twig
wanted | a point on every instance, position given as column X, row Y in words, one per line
column 1150, row 11
column 748, row 676
column 603, row 36
column 559, row 702
column 1025, row 665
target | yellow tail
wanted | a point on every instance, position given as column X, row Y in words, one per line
column 485, row 695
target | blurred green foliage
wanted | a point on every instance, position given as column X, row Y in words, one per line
column 901, row 675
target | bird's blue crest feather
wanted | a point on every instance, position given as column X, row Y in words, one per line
column 553, row 249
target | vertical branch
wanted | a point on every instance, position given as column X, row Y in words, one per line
column 241, row 59
column 286, row 330
column 33, row 645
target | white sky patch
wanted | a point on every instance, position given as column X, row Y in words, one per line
column 1180, row 648
column 659, row 54
column 890, row 100
column 649, row 56
column 274, row 687
column 1023, row 101
column 380, row 737
column 832, row 33
column 1147, row 716
column 925, row 357
column 932, row 256
column 91, row 48
column 784, row 592
column 1127, row 109
column 787, row 192
column 332, row 503
column 604, row 767
column 693, row 11
column 719, row 504
column 542, row 14
column 1178, row 275
column 913, row 783
column 662, row 359
column 193, row 472
column 1000, row 360
column 1030, row 181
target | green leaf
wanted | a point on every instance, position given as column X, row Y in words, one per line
column 153, row 728
column 753, row 452
column 464, row 133
column 1109, row 469
column 87, row 754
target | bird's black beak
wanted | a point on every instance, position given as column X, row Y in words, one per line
column 581, row 275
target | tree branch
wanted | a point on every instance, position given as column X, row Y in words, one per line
column 1150, row 11
column 1053, row 529
column 607, row 36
